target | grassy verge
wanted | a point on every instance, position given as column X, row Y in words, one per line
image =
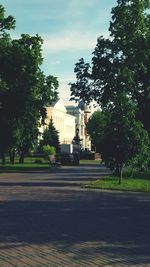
column 140, row 182
column 24, row 167
column 89, row 161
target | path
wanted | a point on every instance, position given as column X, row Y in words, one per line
column 49, row 220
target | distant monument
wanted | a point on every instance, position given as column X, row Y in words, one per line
column 82, row 112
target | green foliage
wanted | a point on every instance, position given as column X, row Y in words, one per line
column 119, row 136
column 81, row 87
column 6, row 23
column 50, row 137
column 124, row 137
column 49, row 150
column 22, row 82
column 120, row 62
column 142, row 159
column 118, row 79
column 133, row 44
column 96, row 128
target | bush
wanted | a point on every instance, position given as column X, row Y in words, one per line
column 49, row 150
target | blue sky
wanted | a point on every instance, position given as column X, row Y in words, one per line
column 69, row 29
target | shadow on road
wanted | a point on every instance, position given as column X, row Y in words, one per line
column 121, row 224
column 110, row 223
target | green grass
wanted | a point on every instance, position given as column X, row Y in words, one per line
column 140, row 182
column 89, row 161
column 29, row 165
column 23, row 167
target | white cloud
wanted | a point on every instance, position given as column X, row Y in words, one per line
column 67, row 79
column 64, row 87
column 78, row 7
column 64, row 92
column 54, row 63
column 69, row 41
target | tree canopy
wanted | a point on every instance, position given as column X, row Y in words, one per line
column 120, row 62
column 118, row 80
column 118, row 136
column 24, row 89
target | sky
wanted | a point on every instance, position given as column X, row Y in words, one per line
column 69, row 29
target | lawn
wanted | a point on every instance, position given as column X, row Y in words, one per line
column 140, row 182
column 33, row 164
column 89, row 161
column 23, row 167
column 30, row 164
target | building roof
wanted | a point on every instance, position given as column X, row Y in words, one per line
column 59, row 105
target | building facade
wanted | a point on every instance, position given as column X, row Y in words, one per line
column 68, row 121
column 63, row 122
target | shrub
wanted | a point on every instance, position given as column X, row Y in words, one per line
column 49, row 150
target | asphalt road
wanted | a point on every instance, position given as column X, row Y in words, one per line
column 49, row 219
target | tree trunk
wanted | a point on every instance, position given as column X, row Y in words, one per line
column 3, row 158
column 117, row 170
column 120, row 173
column 21, row 159
column 12, row 155
column 132, row 171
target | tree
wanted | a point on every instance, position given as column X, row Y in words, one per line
column 50, row 137
column 120, row 72
column 50, row 152
column 125, row 137
column 23, row 82
column 6, row 23
column 119, row 136
column 81, row 88
column 133, row 44
column 121, row 62
column 96, row 128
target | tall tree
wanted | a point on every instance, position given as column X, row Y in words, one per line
column 50, row 137
column 6, row 23
column 133, row 44
column 118, row 135
column 121, row 62
column 23, row 83
column 124, row 137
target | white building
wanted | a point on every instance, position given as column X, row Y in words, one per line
column 63, row 122
column 68, row 120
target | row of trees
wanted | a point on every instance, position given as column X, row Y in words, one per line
column 24, row 90
column 118, row 79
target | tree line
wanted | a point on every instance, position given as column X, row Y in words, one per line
column 118, row 79
column 25, row 91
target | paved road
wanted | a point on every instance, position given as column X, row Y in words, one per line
column 47, row 219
